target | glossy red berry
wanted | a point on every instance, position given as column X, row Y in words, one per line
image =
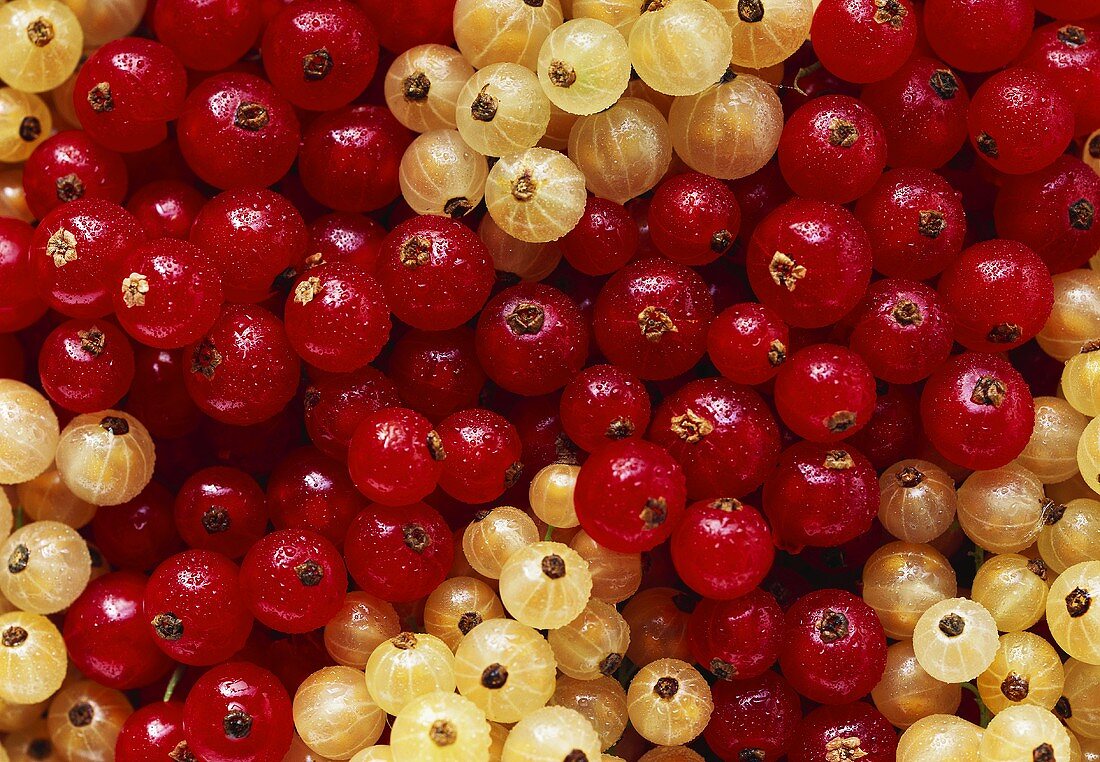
column 107, row 636
column 235, row 130
column 604, row 240
column 693, row 218
column 396, row 457
column 399, row 554
column 832, row 149
column 748, row 342
column 757, row 718
column 1069, row 54
column 630, row 495
column 345, row 237
column 416, row 22
column 77, row 251
column 153, row 731
column 293, row 580
column 902, row 330
column 1020, row 121
column 320, row 54
column 138, row 534
column 978, row 35
column 195, row 608
column 70, row 166
column 309, row 490
column 891, row 435
column 336, row 404
column 604, row 403
column 810, row 261
column 1053, row 211
column 350, row 158
column 977, row 411
column 221, row 509
column 830, row 728
column 158, row 394
column 208, row 35
column 834, row 648
column 825, row 393
column 722, row 549
column 652, row 318
column 166, row 208
column 243, row 370
column 723, row 435
column 251, row 235
column 436, row 272
column 531, row 339
column 820, row 497
column 437, row 372
column 483, row 455
column 736, row 639
column 169, row 293
column 21, row 304
column 238, row 711
column 862, row 41
column 86, row 365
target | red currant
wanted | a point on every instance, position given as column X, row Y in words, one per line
column 86, row 365
column 70, row 166
column 483, row 455
column 754, row 719
column 978, row 35
column 416, row 22
column 693, row 218
column 758, row 195
column 1069, row 54
column 852, row 729
column 825, row 393
column 166, row 208
column 863, row 41
column 138, row 534
column 892, row 431
column 1072, row 10
column 748, row 342
column 604, row 403
column 345, row 237
column 437, row 372
column 605, row 239
column 396, row 457
column 158, row 394
column 20, row 305
column 722, row 549
column 736, row 639
column 154, row 731
column 221, row 509
column 207, row 35
column 335, row 406
column 309, row 490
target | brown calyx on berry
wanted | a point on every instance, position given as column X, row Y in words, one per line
column 553, row 566
column 456, row 207
column 61, row 247
column 1015, row 687
column 750, row 11
column 944, row 83
column 206, row 358
column 726, row 504
column 92, row 341
column 1073, row 35
column 654, row 513
column 1082, row 214
column 1078, row 602
column 311, row 397
column 526, row 319
column 524, row 186
column 666, row 687
column 652, row 6
column 13, row 637
column 910, row 476
column 1004, row 333
column 237, row 724
column 81, row 714
column 182, row 753
column 931, row 223
column 838, row 460
column 890, row 12
column 115, row 425
column 777, row 353
column 100, row 98
column 468, row 621
column 561, row 74
column 620, row 428
column 134, row 288
column 1062, row 708
column 216, row 520
column 309, row 573
column 19, row 558
column 565, row 451
column 443, row 733
column 907, row 312
column 482, row 514
column 841, row 420
column 610, row 663
column 316, row 65
column 785, row 271
column 987, row 145
column 416, row 538
column 40, row 32
column 754, row 754
column 494, row 676
column 832, row 626
column 533, row 3
column 844, row 749
column 842, row 133
column 416, row 252
column 1044, row 752
column 484, row 107
column 251, row 116
column 952, row 625
column 416, row 86
column 576, row 755
column 168, row 626
column 404, row 641
column 1038, row 567
column 721, row 241
column 512, row 474
column 989, row 391
column 1052, row 512
column 691, row 427
column 655, row 323
column 69, row 188
column 435, row 446
column 306, row 290
column 723, row 670
column 30, row 129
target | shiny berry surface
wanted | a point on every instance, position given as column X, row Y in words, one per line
column 722, row 548
column 221, row 509
column 757, row 717
column 604, row 403
column 396, row 457
column 86, row 365
column 825, row 393
column 399, row 554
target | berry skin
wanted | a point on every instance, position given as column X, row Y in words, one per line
column 902, row 330
column 483, row 455
column 1070, row 55
column 863, row 41
column 208, row 36
column 755, row 718
column 723, row 435
column 158, row 396
column 832, row 149
column 235, row 129
column 825, row 393
column 1020, row 121
column 436, row 273
column 810, row 261
column 243, row 370
column 293, row 580
column 345, row 237
column 603, row 241
column 852, row 731
column 978, row 35
column 722, row 548
column 152, row 732
column 437, row 372
column 748, row 342
column 309, row 490
column 396, row 457
column 999, row 293
column 916, row 223
column 195, row 608
column 166, row 208
column 70, row 166
column 399, row 554
column 336, row 317
column 694, row 218
column 107, row 637
column 820, row 497
column 630, row 495
column 977, row 411
column 736, row 639
column 86, row 365
column 531, row 339
column 1053, row 211
column 320, row 54
column 604, row 403
column 334, row 407
column 238, row 711
column 418, row 22
column 652, row 318
column 221, row 509
column 138, row 534
column 19, row 306
column 834, row 649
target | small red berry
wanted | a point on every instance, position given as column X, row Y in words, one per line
column 748, row 342
column 238, row 711
column 396, row 457
column 166, row 208
column 437, row 372
column 861, row 40
column 754, row 719
column 693, row 218
column 978, row 35
column 86, row 365
column 309, row 490
column 825, row 393
column 335, row 405
column 736, row 639
column 722, row 549
column 207, row 35
column 604, row 403
column 70, row 166
column 154, row 731
column 138, row 534
column 605, row 239
column 221, row 509
column 483, row 454
column 830, row 728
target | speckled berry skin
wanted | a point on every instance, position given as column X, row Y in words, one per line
column 70, row 166
column 878, row 740
column 484, row 454
column 978, row 35
column 86, row 365
column 748, row 342
column 722, row 549
column 863, row 42
column 825, row 393
column 238, row 711
column 604, row 403
column 395, row 456
column 754, row 716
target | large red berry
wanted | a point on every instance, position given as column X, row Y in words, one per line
column 693, row 218
column 71, row 166
column 722, row 548
column 396, row 456
column 238, row 711
column 483, row 454
column 604, row 403
column 309, row 490
column 863, row 41
column 152, row 732
column 825, row 393
column 736, row 639
column 221, row 509
column 335, row 406
column 978, row 35
column 208, row 35
column 754, row 719
column 86, row 365
column 399, row 554
column 829, row 728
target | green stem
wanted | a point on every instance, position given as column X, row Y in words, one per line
column 174, row 681
column 978, row 554
column 985, row 715
column 18, row 519
column 549, row 534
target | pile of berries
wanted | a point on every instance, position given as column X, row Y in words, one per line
column 549, row 380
